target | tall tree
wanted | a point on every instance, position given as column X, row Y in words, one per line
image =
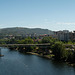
column 59, row 51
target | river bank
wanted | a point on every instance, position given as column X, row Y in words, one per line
column 50, row 57
column 46, row 53
column 45, row 56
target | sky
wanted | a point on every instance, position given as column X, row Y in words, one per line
column 54, row 15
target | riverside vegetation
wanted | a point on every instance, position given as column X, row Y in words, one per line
column 58, row 50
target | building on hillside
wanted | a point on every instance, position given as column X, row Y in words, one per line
column 72, row 35
column 62, row 35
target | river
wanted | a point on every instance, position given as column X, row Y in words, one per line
column 15, row 63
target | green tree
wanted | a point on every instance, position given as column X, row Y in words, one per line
column 20, row 41
column 11, row 41
column 28, row 41
column 48, row 40
column 25, row 41
column 2, row 41
column 71, row 56
column 59, row 51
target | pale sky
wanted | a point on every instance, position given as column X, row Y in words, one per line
column 48, row 14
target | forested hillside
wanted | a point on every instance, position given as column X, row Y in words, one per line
column 24, row 31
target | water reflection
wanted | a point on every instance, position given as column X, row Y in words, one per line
column 15, row 63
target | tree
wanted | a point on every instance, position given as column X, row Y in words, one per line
column 48, row 40
column 71, row 56
column 11, row 41
column 28, row 41
column 59, row 51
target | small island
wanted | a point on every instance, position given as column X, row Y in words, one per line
column 0, row 53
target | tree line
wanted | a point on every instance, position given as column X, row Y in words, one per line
column 57, row 47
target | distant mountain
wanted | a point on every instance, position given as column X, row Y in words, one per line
column 24, row 31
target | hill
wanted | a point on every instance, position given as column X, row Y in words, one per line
column 24, row 31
